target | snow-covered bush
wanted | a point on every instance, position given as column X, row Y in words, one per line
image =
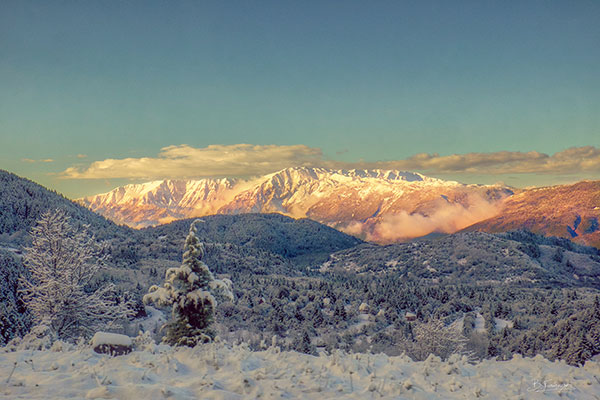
column 144, row 342
column 190, row 290
column 433, row 337
column 62, row 261
column 40, row 337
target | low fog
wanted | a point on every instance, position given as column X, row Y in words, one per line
column 446, row 218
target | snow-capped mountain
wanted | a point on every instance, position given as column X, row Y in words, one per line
column 382, row 205
column 158, row 202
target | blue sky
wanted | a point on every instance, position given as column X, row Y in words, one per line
column 359, row 83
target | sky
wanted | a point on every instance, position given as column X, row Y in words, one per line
column 98, row 94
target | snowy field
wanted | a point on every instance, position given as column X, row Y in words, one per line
column 219, row 372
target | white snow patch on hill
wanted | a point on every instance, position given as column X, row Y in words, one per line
column 219, row 372
column 500, row 323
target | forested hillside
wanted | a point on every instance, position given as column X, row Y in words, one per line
column 303, row 240
column 22, row 202
column 14, row 319
column 516, row 258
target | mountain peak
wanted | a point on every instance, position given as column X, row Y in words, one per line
column 317, row 172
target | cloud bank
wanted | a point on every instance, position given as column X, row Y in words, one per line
column 569, row 161
column 244, row 160
column 188, row 162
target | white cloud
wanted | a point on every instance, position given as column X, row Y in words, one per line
column 245, row 160
column 570, row 161
column 184, row 161
column 30, row 160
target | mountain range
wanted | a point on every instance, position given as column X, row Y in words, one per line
column 382, row 206
column 377, row 205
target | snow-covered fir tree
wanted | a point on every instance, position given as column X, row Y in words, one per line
column 62, row 262
column 190, row 290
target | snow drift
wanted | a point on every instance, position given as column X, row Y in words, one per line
column 217, row 371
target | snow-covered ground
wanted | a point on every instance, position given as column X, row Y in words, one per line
column 500, row 324
column 219, row 372
column 154, row 321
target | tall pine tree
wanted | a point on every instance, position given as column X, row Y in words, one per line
column 189, row 289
